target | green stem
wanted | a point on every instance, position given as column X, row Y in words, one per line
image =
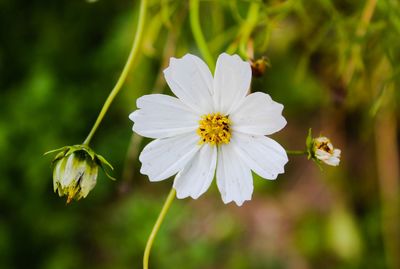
column 198, row 34
column 248, row 26
column 245, row 31
column 161, row 216
column 132, row 57
column 297, row 152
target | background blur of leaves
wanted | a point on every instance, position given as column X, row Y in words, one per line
column 332, row 70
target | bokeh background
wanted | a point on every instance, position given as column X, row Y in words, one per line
column 335, row 65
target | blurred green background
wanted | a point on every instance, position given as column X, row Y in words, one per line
column 335, row 65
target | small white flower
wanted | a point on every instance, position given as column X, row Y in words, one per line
column 213, row 125
column 325, row 152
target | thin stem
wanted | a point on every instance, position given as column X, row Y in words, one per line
column 296, row 152
column 245, row 31
column 198, row 34
column 362, row 27
column 156, row 227
column 132, row 57
column 248, row 26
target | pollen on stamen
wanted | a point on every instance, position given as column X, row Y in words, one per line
column 214, row 129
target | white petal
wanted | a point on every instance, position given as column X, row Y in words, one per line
column 74, row 169
column 322, row 154
column 231, row 82
column 262, row 154
column 234, row 179
column 336, row 153
column 332, row 161
column 164, row 157
column 198, row 174
column 162, row 116
column 258, row 115
column 191, row 81
column 88, row 181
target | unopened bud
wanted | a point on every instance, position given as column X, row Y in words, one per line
column 258, row 66
column 75, row 171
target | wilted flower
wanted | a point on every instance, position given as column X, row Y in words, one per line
column 321, row 149
column 214, row 118
column 75, row 171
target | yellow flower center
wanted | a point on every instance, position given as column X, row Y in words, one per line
column 214, row 129
column 325, row 145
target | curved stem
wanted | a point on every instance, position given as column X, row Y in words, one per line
column 198, row 34
column 156, row 227
column 248, row 26
column 296, row 152
column 245, row 29
column 132, row 57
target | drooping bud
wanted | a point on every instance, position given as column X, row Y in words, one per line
column 75, row 171
column 321, row 150
column 258, row 66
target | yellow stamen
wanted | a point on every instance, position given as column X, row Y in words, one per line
column 325, row 145
column 214, row 129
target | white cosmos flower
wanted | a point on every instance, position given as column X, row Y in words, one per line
column 213, row 125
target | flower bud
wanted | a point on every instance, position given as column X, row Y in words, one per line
column 258, row 66
column 320, row 149
column 324, row 151
column 75, row 171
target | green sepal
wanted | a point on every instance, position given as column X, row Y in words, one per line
column 107, row 174
column 60, row 155
column 102, row 163
column 318, row 163
column 86, row 151
column 55, row 150
column 309, row 144
column 310, row 150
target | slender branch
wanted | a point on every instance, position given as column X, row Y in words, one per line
column 198, row 34
column 132, row 57
column 161, row 216
column 296, row 152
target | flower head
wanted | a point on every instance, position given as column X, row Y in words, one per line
column 214, row 127
column 324, row 151
column 320, row 149
column 75, row 171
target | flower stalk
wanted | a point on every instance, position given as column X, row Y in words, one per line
column 129, row 63
column 198, row 34
column 248, row 26
column 161, row 216
column 296, row 152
